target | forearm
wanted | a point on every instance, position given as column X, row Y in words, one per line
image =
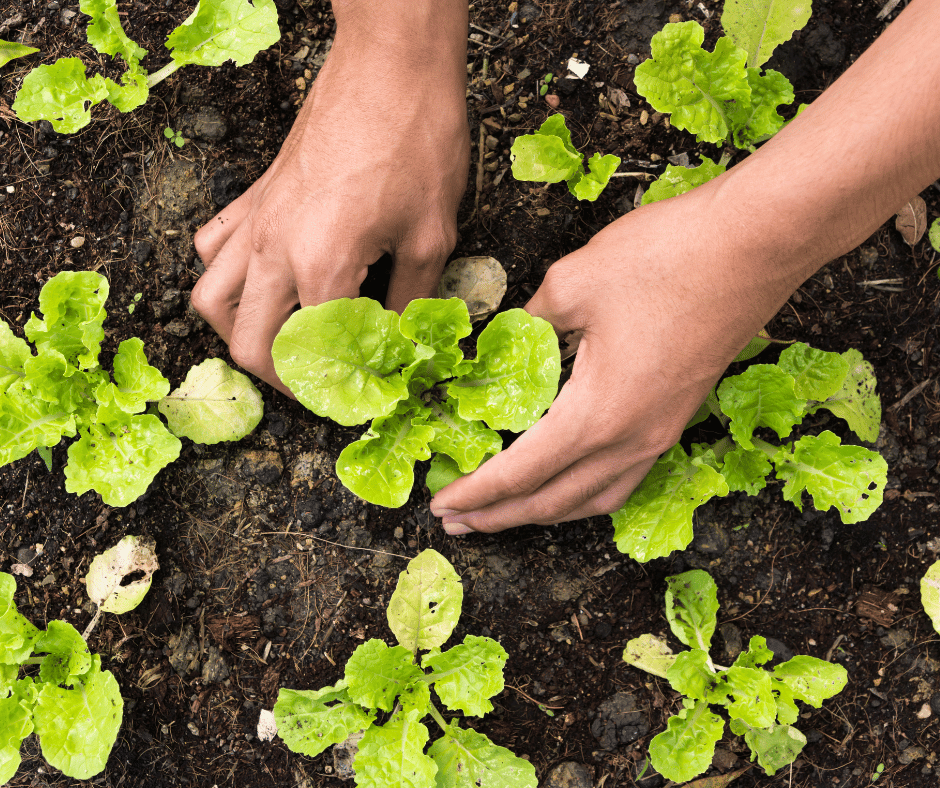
column 865, row 146
column 415, row 35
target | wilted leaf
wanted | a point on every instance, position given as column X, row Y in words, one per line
column 103, row 583
column 911, row 221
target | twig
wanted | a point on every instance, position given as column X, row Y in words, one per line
column 833, row 647
column 888, row 8
column 645, row 175
column 911, row 394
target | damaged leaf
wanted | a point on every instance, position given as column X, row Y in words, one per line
column 133, row 554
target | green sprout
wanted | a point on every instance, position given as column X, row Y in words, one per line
column 175, row 137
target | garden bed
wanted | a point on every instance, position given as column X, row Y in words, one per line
column 271, row 573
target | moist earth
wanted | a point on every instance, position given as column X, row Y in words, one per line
column 272, row 573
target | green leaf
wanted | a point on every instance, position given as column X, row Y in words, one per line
column 657, row 518
column 72, row 303
column 679, row 180
column 376, row 673
column 17, row 634
column 547, row 156
column 119, row 460
column 27, row 421
column 762, row 396
column 468, row 675
column 774, row 747
column 67, row 655
column 135, row 382
column 393, row 755
column 812, row 680
column 818, row 374
column 108, row 582
column 787, row 712
column 851, row 478
column 379, row 467
column 692, row 607
column 746, row 470
column 467, row 759
column 215, row 403
column 757, row 654
column 221, row 30
column 686, row 748
column 77, row 727
column 589, row 185
column 757, row 119
column 105, row 32
column 425, row 605
column 692, row 84
column 16, row 723
column 467, row 442
column 753, row 696
column 760, row 26
column 442, row 472
column 856, row 401
column 933, row 235
column 649, row 653
column 436, row 325
column 416, row 696
column 10, row 50
column 14, row 353
column 515, row 375
column 61, row 94
column 130, row 93
column 342, row 359
column 930, row 594
column 310, row 721
column 691, row 675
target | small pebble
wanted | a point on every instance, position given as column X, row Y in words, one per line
column 77, row 242
column 644, row 117
column 552, row 100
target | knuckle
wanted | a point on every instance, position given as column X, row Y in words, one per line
column 246, row 354
column 205, row 297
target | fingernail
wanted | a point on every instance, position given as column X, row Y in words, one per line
column 456, row 529
column 442, row 512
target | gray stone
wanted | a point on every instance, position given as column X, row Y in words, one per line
column 569, row 774
column 178, row 328
column 711, row 540
column 168, row 304
column 205, row 123
column 178, row 192
column 264, row 467
column 619, row 721
column 734, row 644
column 529, row 12
column 896, row 638
column 913, row 753
column 215, row 668
column 183, row 651
column 782, row 652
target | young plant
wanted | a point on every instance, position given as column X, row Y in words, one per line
column 174, row 137
column 351, row 360
column 391, row 683
column 657, row 518
column 10, row 50
column 215, row 32
column 62, row 391
column 71, row 704
column 722, row 97
column 759, row 702
column 930, row 594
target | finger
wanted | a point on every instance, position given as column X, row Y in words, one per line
column 417, row 271
column 581, row 490
column 219, row 289
column 215, row 234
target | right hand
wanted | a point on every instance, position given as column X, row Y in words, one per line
column 376, row 163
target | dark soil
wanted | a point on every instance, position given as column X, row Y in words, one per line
column 271, row 574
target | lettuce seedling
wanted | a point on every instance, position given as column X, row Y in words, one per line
column 391, row 683
column 548, row 156
column 657, row 518
column 72, row 705
column 723, row 97
column 62, row 391
column 351, row 360
column 10, row 50
column 759, row 702
column 215, row 32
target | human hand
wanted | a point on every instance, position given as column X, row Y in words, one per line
column 664, row 303
column 375, row 163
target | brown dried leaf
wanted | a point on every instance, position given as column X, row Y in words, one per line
column 911, row 221
column 718, row 781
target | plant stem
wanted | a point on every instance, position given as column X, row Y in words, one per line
column 158, row 76
column 725, row 158
column 646, row 175
column 768, row 448
column 432, row 710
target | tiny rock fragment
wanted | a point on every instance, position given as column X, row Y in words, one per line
column 492, row 124
column 577, row 69
column 301, row 83
column 543, row 212
column 553, row 101
column 22, row 569
column 267, row 727
column 644, row 117
column 911, row 221
column 924, row 712
column 479, row 281
column 77, row 242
